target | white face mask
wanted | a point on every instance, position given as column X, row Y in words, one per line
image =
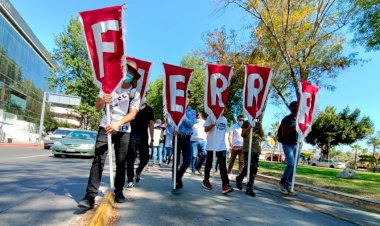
column 240, row 123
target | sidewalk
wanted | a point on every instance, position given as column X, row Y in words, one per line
column 151, row 202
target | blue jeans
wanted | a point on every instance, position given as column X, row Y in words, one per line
column 169, row 153
column 290, row 154
column 198, row 147
column 159, row 150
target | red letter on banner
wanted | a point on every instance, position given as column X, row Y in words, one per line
column 104, row 38
column 256, row 88
column 217, row 82
column 308, row 98
column 143, row 68
column 176, row 82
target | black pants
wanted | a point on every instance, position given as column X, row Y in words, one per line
column 140, row 146
column 253, row 169
column 221, row 160
column 184, row 147
column 120, row 141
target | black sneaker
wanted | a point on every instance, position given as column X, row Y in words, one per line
column 137, row 178
column 179, row 184
column 119, row 198
column 250, row 192
column 86, row 203
column 130, row 185
column 239, row 183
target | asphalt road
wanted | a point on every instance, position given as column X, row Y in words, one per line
column 38, row 189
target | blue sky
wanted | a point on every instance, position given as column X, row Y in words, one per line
column 165, row 30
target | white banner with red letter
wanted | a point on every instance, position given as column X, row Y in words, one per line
column 176, row 83
column 256, row 87
column 103, row 30
column 143, row 68
column 218, row 79
column 306, row 107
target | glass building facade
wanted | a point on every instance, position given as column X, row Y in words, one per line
column 24, row 67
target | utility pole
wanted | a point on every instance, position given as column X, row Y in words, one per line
column 42, row 118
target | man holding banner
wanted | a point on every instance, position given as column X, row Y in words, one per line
column 125, row 103
column 182, row 117
column 288, row 137
column 257, row 136
column 103, row 30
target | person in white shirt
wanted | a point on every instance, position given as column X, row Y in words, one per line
column 124, row 105
column 198, row 143
column 157, row 143
column 216, row 130
column 236, row 144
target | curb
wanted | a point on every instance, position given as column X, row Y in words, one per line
column 103, row 211
column 330, row 194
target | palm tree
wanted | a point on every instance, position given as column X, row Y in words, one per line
column 374, row 141
column 356, row 148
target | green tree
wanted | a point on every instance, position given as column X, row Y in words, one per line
column 300, row 40
column 154, row 97
column 50, row 124
column 331, row 129
column 374, row 141
column 356, row 148
column 366, row 24
column 74, row 72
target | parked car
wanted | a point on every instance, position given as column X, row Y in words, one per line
column 58, row 134
column 328, row 163
column 76, row 143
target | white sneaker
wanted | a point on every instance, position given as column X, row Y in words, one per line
column 130, row 186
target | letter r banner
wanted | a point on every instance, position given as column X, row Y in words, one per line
column 306, row 108
column 176, row 83
column 104, row 37
column 218, row 79
column 257, row 82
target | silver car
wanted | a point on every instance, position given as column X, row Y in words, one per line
column 76, row 143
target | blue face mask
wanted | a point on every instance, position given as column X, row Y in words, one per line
column 128, row 78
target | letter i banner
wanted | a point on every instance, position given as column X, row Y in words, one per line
column 217, row 81
column 103, row 31
column 304, row 120
column 143, row 68
column 176, row 83
column 256, row 87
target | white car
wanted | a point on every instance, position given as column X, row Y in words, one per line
column 328, row 163
column 58, row 134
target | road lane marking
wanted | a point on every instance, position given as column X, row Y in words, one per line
column 33, row 156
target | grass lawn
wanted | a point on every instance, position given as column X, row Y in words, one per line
column 365, row 184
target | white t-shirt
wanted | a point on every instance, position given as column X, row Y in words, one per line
column 237, row 139
column 216, row 136
column 119, row 107
column 199, row 133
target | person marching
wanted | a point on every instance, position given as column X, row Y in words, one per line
column 288, row 137
column 236, row 144
column 140, row 126
column 198, row 143
column 257, row 136
column 216, row 130
column 184, row 146
column 125, row 104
